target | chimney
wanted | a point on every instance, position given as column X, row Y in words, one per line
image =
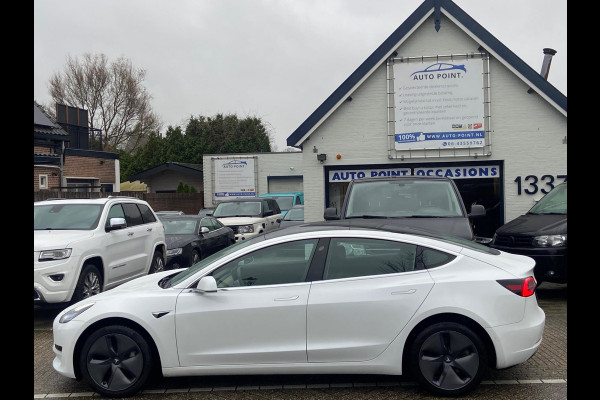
column 548, row 53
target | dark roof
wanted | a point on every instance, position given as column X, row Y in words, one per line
column 195, row 169
column 45, row 127
column 486, row 40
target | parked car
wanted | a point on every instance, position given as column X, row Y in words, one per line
column 249, row 217
column 429, row 203
column 208, row 211
column 85, row 246
column 294, row 216
column 316, row 298
column 165, row 213
column 191, row 238
column 541, row 234
column 286, row 200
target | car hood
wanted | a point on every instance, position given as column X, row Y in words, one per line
column 56, row 239
column 174, row 241
column 234, row 221
column 535, row 225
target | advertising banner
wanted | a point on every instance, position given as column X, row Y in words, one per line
column 234, row 178
column 439, row 105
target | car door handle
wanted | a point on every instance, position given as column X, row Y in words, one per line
column 149, row 229
column 130, row 234
column 410, row 291
column 287, row 298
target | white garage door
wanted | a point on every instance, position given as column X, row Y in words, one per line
column 284, row 185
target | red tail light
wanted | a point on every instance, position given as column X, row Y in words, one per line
column 524, row 287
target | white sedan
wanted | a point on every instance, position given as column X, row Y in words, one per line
column 315, row 298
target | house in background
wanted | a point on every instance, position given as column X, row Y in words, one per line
column 67, row 153
column 165, row 178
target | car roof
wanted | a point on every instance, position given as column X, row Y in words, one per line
column 240, row 200
column 402, row 178
column 185, row 217
column 281, row 194
column 98, row 200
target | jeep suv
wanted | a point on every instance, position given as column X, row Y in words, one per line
column 85, row 246
column 249, row 217
column 424, row 203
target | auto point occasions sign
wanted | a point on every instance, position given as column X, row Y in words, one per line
column 439, row 105
column 234, row 178
column 453, row 172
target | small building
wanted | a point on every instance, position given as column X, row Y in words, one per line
column 165, row 178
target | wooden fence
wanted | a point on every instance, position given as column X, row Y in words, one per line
column 189, row 203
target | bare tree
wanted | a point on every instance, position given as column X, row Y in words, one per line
column 114, row 95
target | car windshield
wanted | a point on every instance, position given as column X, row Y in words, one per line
column 183, row 275
column 555, row 202
column 237, row 209
column 66, row 216
column 403, row 199
column 284, row 202
column 294, row 214
column 179, row 226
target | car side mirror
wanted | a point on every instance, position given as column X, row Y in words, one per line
column 477, row 210
column 116, row 223
column 207, row 284
column 204, row 230
column 331, row 213
column 278, row 220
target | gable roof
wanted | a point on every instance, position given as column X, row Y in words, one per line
column 385, row 50
column 44, row 126
column 187, row 168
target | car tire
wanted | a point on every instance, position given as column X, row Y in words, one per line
column 195, row 257
column 448, row 359
column 158, row 263
column 116, row 361
column 88, row 284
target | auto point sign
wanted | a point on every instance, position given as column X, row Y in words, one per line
column 439, row 105
column 234, row 178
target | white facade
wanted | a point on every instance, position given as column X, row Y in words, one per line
column 526, row 128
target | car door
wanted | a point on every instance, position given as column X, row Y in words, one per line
column 210, row 241
column 222, row 233
column 257, row 315
column 370, row 290
column 272, row 222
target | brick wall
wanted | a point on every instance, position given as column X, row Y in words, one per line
column 86, row 167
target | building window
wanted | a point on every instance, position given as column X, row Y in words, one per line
column 43, row 181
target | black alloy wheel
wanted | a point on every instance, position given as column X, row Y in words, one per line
column 448, row 359
column 116, row 361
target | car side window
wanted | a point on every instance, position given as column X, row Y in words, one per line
column 147, row 215
column 352, row 257
column 278, row 264
column 266, row 206
column 273, row 205
column 207, row 223
column 430, row 258
column 116, row 211
column 217, row 223
column 132, row 214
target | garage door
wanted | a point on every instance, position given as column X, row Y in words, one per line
column 285, row 184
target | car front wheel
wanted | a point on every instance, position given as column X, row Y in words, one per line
column 158, row 263
column 89, row 283
column 116, row 361
column 448, row 359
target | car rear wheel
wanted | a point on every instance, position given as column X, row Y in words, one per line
column 89, row 283
column 158, row 263
column 448, row 359
column 116, row 361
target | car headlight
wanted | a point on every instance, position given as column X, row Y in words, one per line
column 57, row 254
column 69, row 315
column 549, row 240
column 174, row 252
column 246, row 229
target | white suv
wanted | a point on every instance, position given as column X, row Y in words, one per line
column 249, row 217
column 85, row 246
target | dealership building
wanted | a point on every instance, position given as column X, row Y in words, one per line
column 441, row 96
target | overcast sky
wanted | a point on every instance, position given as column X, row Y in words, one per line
column 274, row 59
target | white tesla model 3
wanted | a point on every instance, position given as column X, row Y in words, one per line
column 320, row 298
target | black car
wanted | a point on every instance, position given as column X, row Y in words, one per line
column 540, row 234
column 191, row 238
